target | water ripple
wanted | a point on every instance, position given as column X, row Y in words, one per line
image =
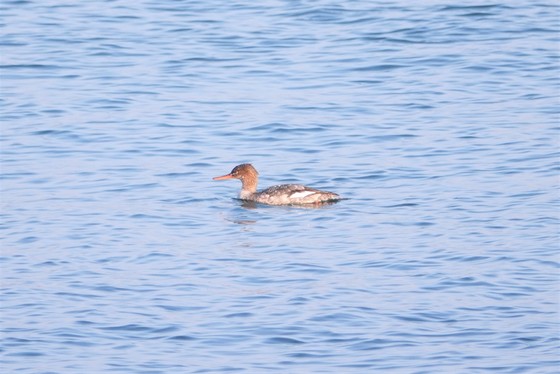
column 437, row 122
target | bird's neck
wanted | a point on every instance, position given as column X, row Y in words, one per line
column 249, row 184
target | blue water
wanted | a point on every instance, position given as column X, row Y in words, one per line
column 438, row 121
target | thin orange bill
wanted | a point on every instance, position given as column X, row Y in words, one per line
column 227, row 176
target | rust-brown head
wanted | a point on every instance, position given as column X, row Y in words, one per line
column 244, row 172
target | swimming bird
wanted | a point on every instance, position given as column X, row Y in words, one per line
column 283, row 194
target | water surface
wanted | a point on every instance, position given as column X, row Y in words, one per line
column 438, row 122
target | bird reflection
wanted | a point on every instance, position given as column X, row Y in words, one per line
column 248, row 204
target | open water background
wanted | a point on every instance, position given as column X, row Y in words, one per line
column 437, row 119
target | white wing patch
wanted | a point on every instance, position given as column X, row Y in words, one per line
column 301, row 194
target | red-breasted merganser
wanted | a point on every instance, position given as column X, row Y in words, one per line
column 284, row 194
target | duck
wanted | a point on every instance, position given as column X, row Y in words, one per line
column 283, row 194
